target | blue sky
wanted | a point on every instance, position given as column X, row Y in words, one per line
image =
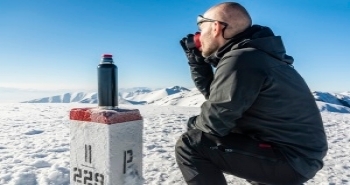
column 57, row 44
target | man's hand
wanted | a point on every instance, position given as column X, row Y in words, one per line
column 194, row 56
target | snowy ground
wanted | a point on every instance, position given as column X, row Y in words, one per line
column 34, row 145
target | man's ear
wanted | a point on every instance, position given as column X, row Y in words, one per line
column 216, row 29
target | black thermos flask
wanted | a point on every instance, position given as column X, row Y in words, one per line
column 107, row 83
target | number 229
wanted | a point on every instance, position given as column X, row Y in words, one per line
column 87, row 177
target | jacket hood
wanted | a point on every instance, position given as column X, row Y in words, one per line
column 258, row 37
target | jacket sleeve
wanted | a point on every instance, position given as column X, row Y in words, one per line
column 235, row 87
column 202, row 76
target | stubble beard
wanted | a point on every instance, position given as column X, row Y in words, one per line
column 209, row 48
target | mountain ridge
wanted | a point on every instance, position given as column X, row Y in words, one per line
column 181, row 96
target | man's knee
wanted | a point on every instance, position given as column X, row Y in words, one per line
column 189, row 139
column 188, row 142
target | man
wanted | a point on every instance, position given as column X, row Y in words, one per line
column 260, row 121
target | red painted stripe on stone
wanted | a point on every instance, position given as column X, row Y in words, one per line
column 104, row 116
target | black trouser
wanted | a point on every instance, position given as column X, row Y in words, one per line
column 203, row 158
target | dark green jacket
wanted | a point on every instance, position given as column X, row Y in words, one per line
column 256, row 91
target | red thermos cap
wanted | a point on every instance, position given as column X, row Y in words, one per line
column 196, row 40
column 107, row 56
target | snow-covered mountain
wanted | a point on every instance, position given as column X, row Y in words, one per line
column 133, row 89
column 192, row 98
column 347, row 93
column 157, row 95
column 139, row 96
column 329, row 107
column 134, row 93
column 67, row 98
column 342, row 99
column 180, row 96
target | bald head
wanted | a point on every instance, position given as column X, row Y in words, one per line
column 234, row 14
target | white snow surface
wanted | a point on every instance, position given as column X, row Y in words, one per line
column 34, row 144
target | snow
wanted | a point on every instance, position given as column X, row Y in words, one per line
column 328, row 107
column 342, row 99
column 139, row 96
column 152, row 96
column 67, row 98
column 35, row 148
column 134, row 93
column 191, row 98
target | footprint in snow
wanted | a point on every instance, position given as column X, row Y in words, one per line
column 34, row 132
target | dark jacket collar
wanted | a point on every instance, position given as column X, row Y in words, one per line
column 258, row 37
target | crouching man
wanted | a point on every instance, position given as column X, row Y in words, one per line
column 260, row 121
